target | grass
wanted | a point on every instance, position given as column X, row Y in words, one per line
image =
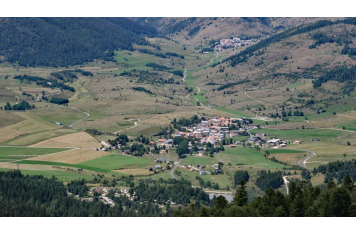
column 24, row 152
column 36, row 137
column 79, row 166
column 222, row 180
column 247, row 156
column 7, row 118
column 118, row 161
column 236, row 113
column 64, row 176
column 303, row 134
column 64, row 115
column 350, row 125
column 191, row 160
column 278, row 151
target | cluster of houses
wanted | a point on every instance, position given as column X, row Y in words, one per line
column 201, row 169
column 234, row 43
column 260, row 140
column 210, row 130
column 215, row 130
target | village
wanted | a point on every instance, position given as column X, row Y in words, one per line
column 205, row 136
column 234, row 43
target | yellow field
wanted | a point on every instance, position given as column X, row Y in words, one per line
column 76, row 140
column 73, row 156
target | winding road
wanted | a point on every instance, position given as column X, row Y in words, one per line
column 174, row 168
column 87, row 116
column 303, row 161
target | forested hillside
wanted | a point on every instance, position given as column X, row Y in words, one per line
column 67, row 41
column 303, row 200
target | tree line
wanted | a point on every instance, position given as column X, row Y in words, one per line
column 303, row 200
column 68, row 41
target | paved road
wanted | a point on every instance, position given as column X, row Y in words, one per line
column 302, row 162
column 87, row 116
column 174, row 168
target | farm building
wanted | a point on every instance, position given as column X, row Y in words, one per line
column 105, row 144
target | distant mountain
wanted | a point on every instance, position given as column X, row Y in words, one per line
column 67, row 41
column 201, row 30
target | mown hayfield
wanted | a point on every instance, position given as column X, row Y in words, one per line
column 302, row 134
column 118, row 161
column 8, row 118
column 30, row 124
column 222, row 180
column 26, row 152
column 73, row 156
column 246, row 156
column 49, row 163
column 193, row 160
column 61, row 114
column 36, row 137
column 75, row 140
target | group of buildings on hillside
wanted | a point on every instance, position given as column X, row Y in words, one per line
column 214, row 131
column 234, row 43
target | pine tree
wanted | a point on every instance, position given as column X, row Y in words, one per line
column 241, row 198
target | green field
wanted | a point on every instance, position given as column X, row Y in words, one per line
column 36, row 137
column 79, row 166
column 278, row 151
column 247, row 156
column 118, row 161
column 64, row 176
column 26, row 152
column 222, row 180
column 191, row 160
column 302, row 134
column 350, row 125
column 235, row 156
column 101, row 164
column 61, row 114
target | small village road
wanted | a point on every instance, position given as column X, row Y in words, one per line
column 174, row 168
column 303, row 161
column 76, row 122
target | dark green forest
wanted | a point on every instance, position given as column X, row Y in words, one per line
column 25, row 196
column 303, row 200
column 67, row 41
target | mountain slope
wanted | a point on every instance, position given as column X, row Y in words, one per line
column 66, row 41
column 201, row 30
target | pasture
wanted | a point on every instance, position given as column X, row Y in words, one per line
column 73, row 156
column 118, row 161
column 30, row 124
column 74, row 140
column 247, row 156
column 36, row 137
column 16, row 153
column 61, row 114
column 65, row 176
